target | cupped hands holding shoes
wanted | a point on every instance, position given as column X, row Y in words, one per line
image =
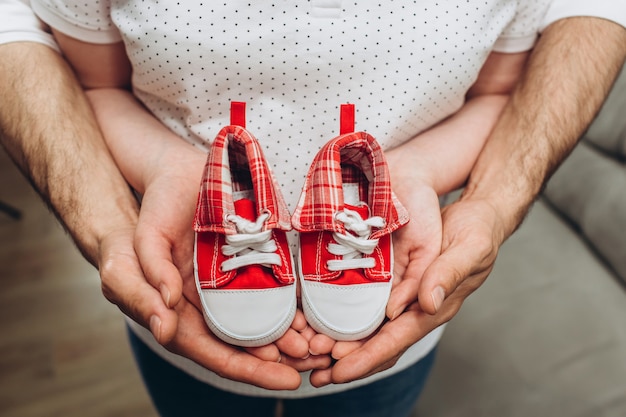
column 164, row 243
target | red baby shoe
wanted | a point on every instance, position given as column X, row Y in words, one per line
column 345, row 216
column 242, row 262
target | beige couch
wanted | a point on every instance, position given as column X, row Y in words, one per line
column 546, row 334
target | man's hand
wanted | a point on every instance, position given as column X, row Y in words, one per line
column 433, row 163
column 549, row 109
column 416, row 245
column 167, row 172
column 162, row 295
column 183, row 327
column 164, row 244
column 470, row 244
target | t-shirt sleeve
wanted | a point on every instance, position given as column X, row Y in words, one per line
column 614, row 10
column 18, row 23
column 88, row 21
column 522, row 32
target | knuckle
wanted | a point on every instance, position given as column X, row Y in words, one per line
column 485, row 251
column 107, row 280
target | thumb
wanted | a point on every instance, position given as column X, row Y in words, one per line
column 406, row 292
column 461, row 260
column 124, row 285
column 154, row 252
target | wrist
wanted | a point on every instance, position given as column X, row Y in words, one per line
column 509, row 197
column 177, row 161
column 92, row 220
column 408, row 173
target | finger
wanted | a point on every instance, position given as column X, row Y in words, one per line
column 462, row 259
column 414, row 250
column 308, row 333
column 194, row 341
column 310, row 363
column 124, row 285
column 343, row 349
column 321, row 377
column 406, row 292
column 299, row 322
column 267, row 353
column 293, row 344
column 384, row 348
column 155, row 256
column 321, row 344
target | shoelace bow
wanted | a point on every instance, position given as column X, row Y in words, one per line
column 250, row 245
column 351, row 247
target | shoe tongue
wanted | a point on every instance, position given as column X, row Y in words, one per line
column 351, row 200
column 362, row 209
column 351, row 193
column 246, row 208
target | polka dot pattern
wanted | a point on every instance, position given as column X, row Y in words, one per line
column 405, row 64
column 93, row 16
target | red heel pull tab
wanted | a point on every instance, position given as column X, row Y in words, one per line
column 238, row 113
column 346, row 119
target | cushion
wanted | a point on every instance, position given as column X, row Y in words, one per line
column 544, row 336
column 608, row 131
column 589, row 188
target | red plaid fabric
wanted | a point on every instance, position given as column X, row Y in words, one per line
column 236, row 163
column 349, row 158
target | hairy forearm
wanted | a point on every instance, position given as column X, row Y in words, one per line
column 48, row 128
column 568, row 76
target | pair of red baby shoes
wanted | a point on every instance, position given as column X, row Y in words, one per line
column 345, row 217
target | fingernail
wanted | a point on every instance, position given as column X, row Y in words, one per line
column 165, row 294
column 155, row 327
column 280, row 358
column 312, row 353
column 438, row 296
column 396, row 313
column 307, row 356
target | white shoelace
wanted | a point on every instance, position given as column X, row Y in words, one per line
column 351, row 247
column 251, row 246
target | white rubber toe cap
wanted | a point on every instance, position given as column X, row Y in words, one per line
column 249, row 317
column 345, row 312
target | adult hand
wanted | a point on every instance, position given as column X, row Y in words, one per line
column 416, row 245
column 173, row 316
column 181, row 329
column 472, row 234
column 164, row 245
column 166, row 171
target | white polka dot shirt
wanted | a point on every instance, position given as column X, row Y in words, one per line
column 406, row 65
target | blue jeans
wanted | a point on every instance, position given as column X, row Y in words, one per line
column 174, row 393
